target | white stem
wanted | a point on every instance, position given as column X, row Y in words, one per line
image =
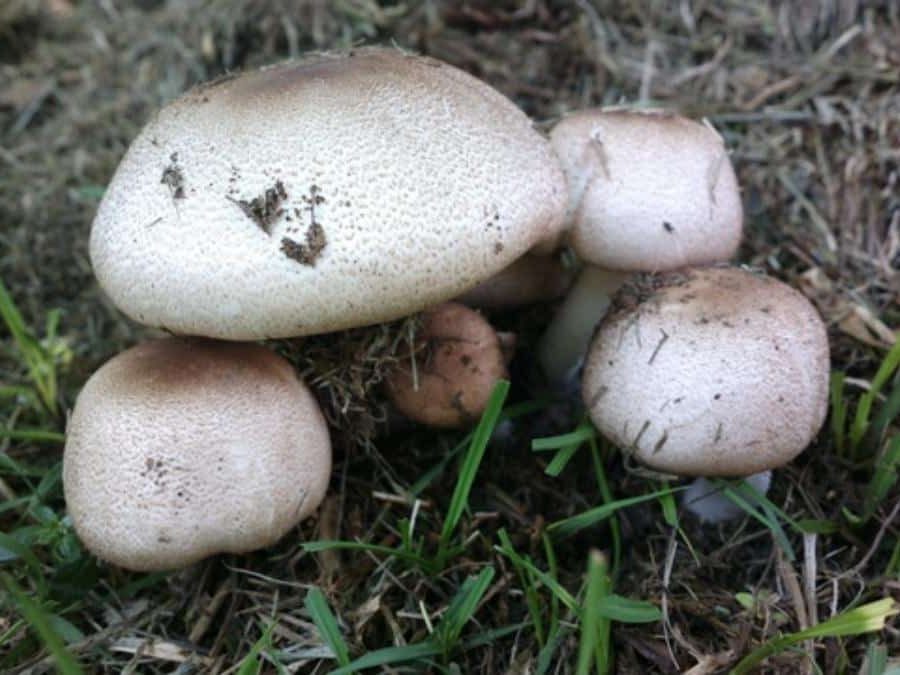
column 704, row 500
column 563, row 346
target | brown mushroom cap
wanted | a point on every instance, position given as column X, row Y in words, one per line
column 709, row 372
column 322, row 194
column 180, row 449
column 458, row 363
column 531, row 278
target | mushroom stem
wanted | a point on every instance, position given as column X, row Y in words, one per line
column 563, row 346
column 704, row 500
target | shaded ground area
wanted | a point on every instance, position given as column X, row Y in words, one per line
column 807, row 96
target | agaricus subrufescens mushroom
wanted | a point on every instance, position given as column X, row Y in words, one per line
column 532, row 278
column 180, row 449
column 448, row 380
column 649, row 191
column 335, row 191
column 709, row 372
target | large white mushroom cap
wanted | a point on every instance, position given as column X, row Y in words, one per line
column 709, row 372
column 649, row 190
column 335, row 191
column 179, row 449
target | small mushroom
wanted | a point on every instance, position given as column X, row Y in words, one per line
column 178, row 449
column 458, row 360
column 532, row 278
column 649, row 191
column 709, row 372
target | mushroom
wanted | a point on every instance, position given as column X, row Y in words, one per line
column 532, row 278
column 649, row 191
column 179, row 449
column 335, row 191
column 448, row 381
column 709, row 372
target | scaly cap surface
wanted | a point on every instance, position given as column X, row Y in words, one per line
column 335, row 191
column 709, row 372
column 649, row 190
column 180, row 449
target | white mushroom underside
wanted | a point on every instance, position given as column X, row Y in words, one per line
column 422, row 187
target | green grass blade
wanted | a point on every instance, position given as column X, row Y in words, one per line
column 36, row 435
column 547, row 656
column 865, row 619
column 875, row 662
column 509, row 413
column 326, row 545
column 553, row 572
column 318, row 609
column 252, row 664
column 11, row 466
column 626, row 610
column 887, row 413
column 391, row 656
column 561, row 459
column 883, row 478
column 607, row 497
column 747, row 498
column 12, row 548
column 40, row 364
column 864, row 408
column 429, row 476
column 549, row 581
column 486, row 637
column 41, row 622
column 669, row 508
column 594, row 646
column 583, row 432
column 462, row 607
column 471, row 462
column 529, row 588
column 574, row 524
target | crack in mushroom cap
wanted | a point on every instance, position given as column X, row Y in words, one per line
column 709, row 372
column 180, row 449
column 335, row 191
column 649, row 190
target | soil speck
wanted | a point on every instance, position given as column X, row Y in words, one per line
column 307, row 253
column 265, row 209
column 173, row 177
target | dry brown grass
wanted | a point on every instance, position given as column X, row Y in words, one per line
column 807, row 96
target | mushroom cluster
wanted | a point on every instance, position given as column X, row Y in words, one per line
column 344, row 190
column 700, row 369
column 336, row 191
